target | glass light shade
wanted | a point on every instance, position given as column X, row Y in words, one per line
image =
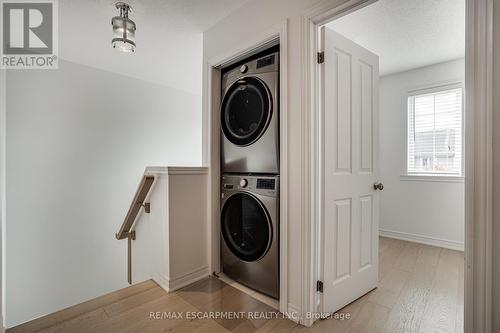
column 123, row 32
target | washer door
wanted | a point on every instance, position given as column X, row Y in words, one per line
column 246, row 111
column 246, row 227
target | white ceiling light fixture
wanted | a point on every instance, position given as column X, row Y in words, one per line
column 123, row 29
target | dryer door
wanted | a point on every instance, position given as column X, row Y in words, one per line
column 246, row 111
column 246, row 227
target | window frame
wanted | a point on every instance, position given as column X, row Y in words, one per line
column 432, row 177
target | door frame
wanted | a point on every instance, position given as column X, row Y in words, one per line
column 211, row 144
column 478, row 157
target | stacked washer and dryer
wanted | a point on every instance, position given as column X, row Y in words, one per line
column 250, row 174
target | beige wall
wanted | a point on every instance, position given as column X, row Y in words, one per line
column 496, row 167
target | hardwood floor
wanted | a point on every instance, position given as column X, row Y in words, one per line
column 420, row 290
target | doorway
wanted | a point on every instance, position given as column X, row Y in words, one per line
column 400, row 130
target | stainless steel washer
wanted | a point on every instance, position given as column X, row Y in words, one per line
column 250, row 117
column 250, row 231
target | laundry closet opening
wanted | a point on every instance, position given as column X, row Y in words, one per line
column 246, row 172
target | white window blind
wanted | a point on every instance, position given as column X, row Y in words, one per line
column 435, row 132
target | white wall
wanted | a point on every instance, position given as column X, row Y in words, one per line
column 426, row 211
column 78, row 140
column 255, row 19
column 3, row 114
column 496, row 168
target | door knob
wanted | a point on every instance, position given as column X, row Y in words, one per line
column 378, row 186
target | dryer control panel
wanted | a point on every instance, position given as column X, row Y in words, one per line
column 266, row 184
column 266, row 61
column 265, row 64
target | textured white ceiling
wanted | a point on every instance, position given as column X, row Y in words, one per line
column 169, row 37
column 407, row 34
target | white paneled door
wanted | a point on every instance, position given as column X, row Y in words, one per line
column 350, row 206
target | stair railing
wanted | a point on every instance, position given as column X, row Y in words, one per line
column 127, row 228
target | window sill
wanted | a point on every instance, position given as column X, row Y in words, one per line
column 429, row 178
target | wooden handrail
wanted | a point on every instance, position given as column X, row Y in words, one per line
column 136, row 205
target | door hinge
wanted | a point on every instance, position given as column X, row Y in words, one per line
column 319, row 286
column 321, row 57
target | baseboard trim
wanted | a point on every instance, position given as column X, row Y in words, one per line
column 161, row 281
column 177, row 283
column 447, row 244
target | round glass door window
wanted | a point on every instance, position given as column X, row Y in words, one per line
column 246, row 111
column 245, row 227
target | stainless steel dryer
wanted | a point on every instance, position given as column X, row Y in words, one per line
column 250, row 231
column 250, row 117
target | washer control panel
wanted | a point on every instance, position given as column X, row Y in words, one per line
column 264, row 185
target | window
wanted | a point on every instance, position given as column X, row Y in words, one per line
column 435, row 132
